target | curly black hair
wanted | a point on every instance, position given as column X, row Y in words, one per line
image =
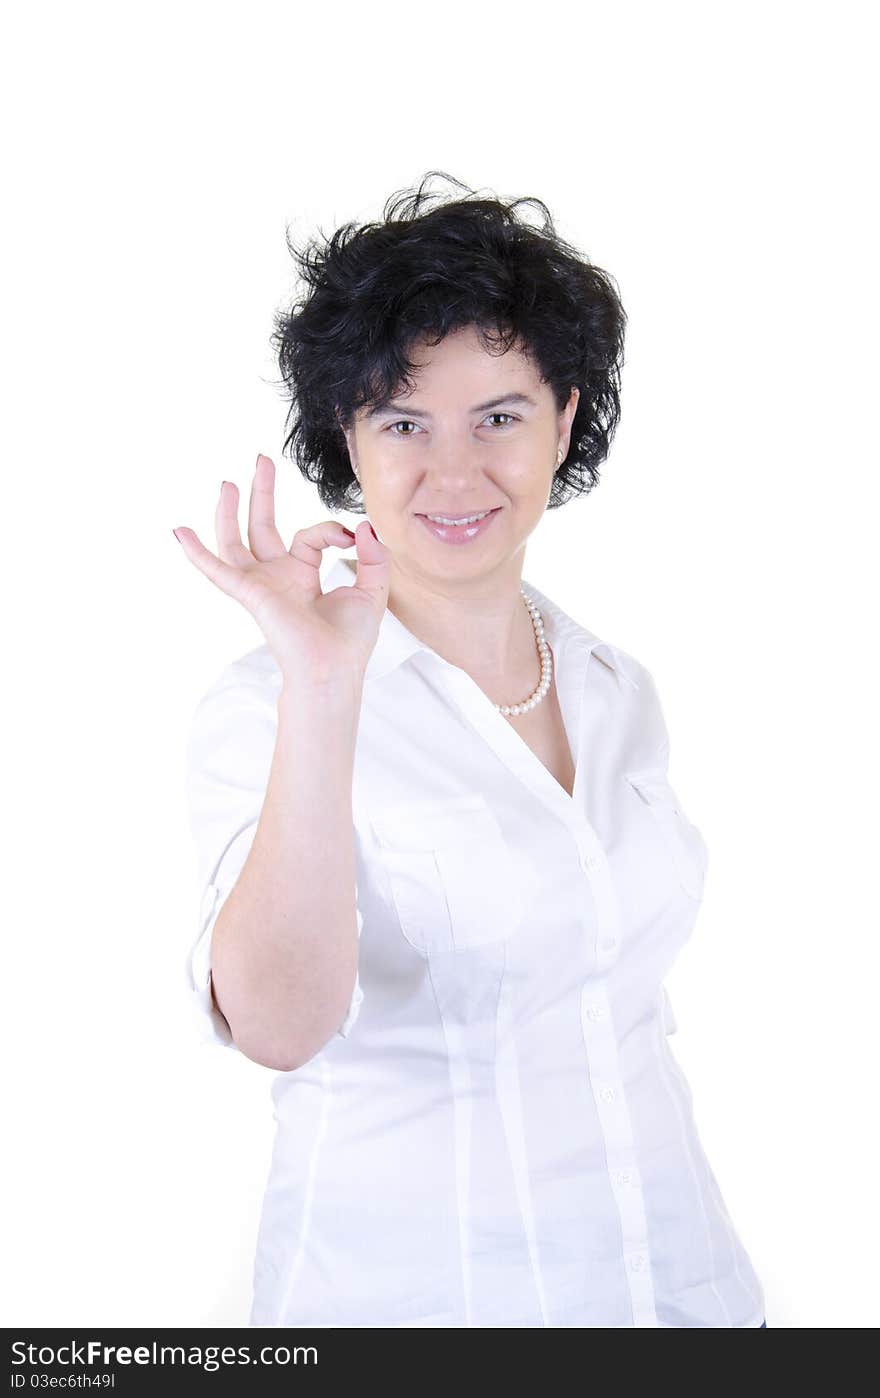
column 427, row 269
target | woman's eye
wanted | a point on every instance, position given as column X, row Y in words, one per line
column 503, row 424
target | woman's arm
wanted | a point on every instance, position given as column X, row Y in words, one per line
column 285, row 948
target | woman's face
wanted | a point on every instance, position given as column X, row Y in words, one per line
column 480, row 432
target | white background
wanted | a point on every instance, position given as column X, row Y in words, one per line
column 718, row 160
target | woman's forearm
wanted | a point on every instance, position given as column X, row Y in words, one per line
column 285, row 946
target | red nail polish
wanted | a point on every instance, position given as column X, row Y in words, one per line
column 374, row 534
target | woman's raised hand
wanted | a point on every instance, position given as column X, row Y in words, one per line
column 316, row 637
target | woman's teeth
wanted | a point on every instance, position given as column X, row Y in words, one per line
column 469, row 519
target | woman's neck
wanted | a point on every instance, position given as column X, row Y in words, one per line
column 490, row 635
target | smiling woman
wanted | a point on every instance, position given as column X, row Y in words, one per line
column 459, row 468
column 444, row 868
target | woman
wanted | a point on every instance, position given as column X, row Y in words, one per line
column 444, row 870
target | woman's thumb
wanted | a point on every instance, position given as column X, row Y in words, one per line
column 373, row 559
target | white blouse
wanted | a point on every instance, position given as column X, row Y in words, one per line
column 499, row 1134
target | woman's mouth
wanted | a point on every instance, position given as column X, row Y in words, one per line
column 461, row 532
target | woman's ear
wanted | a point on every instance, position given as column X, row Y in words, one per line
column 352, row 454
column 348, row 434
column 567, row 418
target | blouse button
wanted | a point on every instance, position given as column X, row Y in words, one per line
column 637, row 1262
column 608, row 944
column 595, row 1012
column 590, row 861
column 607, row 1094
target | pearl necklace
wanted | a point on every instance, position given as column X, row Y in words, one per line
column 546, row 664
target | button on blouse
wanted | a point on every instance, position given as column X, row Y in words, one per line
column 499, row 1133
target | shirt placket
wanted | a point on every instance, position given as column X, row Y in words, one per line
column 603, row 1062
column 603, row 1058
column 597, row 1021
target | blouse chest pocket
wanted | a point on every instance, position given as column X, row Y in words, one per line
column 683, row 841
column 451, row 873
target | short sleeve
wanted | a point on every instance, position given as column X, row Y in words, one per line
column 229, row 752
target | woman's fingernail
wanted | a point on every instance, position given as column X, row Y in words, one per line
column 374, row 534
column 176, row 535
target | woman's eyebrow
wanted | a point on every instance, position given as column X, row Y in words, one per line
column 381, row 409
